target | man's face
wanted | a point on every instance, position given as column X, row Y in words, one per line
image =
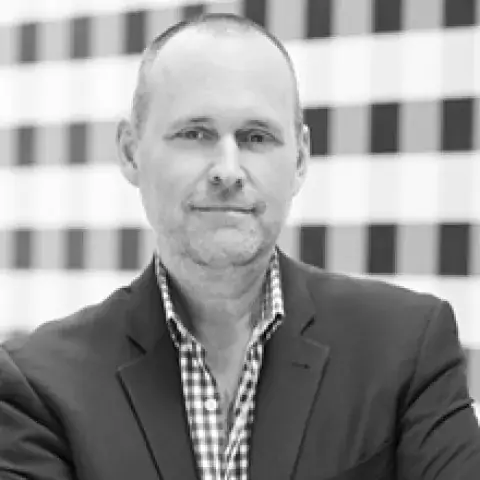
column 217, row 163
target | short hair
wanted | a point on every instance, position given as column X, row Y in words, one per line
column 215, row 22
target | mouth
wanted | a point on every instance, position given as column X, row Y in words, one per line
column 225, row 208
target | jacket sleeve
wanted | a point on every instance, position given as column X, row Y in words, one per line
column 439, row 433
column 31, row 442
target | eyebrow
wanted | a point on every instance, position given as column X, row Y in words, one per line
column 262, row 124
column 269, row 125
column 190, row 120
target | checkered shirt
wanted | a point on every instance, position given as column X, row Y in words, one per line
column 220, row 458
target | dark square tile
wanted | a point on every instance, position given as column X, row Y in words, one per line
column 384, row 128
column 75, row 249
column 381, row 249
column 387, row 15
column 191, row 11
column 319, row 18
column 457, row 124
column 77, row 143
column 459, row 13
column 80, row 37
column 135, row 31
column 26, row 145
column 28, row 43
column 454, row 249
column 22, row 249
column 129, row 250
column 317, row 120
column 313, row 244
column 255, row 10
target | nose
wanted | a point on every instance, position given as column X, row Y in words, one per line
column 226, row 171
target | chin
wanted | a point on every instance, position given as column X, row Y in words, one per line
column 225, row 250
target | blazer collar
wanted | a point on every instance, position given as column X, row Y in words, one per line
column 294, row 363
column 145, row 315
column 152, row 382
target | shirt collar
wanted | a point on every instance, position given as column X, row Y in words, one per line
column 272, row 311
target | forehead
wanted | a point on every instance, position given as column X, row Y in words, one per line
column 229, row 73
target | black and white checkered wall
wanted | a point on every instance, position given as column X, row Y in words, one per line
column 391, row 90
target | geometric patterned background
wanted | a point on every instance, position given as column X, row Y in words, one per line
column 391, row 90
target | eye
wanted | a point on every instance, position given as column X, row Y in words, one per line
column 257, row 137
column 196, row 134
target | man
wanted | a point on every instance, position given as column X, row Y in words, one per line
column 225, row 359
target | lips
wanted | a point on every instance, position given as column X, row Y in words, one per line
column 256, row 208
column 224, row 208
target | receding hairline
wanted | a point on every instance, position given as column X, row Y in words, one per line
column 220, row 24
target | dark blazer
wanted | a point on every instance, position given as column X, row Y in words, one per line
column 363, row 381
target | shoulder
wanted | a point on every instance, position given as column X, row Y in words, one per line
column 370, row 294
column 62, row 343
column 379, row 332
column 365, row 293
column 358, row 308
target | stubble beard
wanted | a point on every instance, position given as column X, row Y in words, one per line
column 220, row 249
column 225, row 248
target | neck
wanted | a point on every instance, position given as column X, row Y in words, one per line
column 221, row 305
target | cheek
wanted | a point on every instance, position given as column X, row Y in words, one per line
column 166, row 182
column 278, row 182
column 158, row 189
column 153, row 183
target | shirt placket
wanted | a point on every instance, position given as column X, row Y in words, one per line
column 208, row 423
column 244, row 405
column 202, row 397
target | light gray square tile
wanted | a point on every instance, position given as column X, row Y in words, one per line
column 5, row 249
column 346, row 249
column 147, row 246
column 417, row 250
column 352, row 17
column 231, row 6
column 54, row 40
column 48, row 249
column 350, row 130
column 7, row 150
column 8, row 45
column 101, row 249
column 473, row 357
column 101, row 144
column 289, row 241
column 423, row 14
column 286, row 19
column 107, row 35
column 419, row 127
column 52, row 145
column 159, row 20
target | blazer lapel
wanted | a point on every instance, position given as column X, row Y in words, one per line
column 153, row 386
column 291, row 373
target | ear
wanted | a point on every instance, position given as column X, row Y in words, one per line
column 303, row 158
column 126, row 147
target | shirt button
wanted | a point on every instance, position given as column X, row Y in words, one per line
column 211, row 405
